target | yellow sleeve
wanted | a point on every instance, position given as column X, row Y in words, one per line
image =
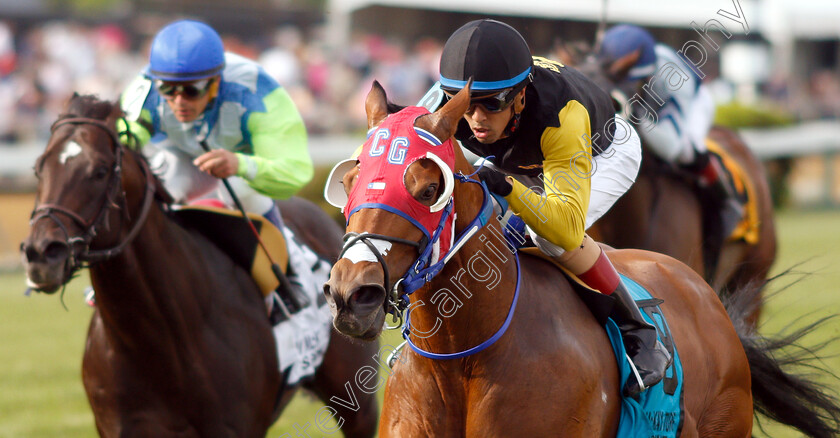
column 559, row 215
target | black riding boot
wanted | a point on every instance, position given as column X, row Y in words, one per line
column 645, row 351
column 715, row 180
column 290, row 294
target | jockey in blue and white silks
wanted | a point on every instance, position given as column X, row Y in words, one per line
column 193, row 92
column 673, row 109
column 202, row 115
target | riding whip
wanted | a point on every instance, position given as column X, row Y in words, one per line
column 275, row 268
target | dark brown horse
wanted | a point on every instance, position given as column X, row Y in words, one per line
column 179, row 343
column 552, row 372
column 664, row 212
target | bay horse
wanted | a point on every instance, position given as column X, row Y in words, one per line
column 664, row 212
column 501, row 345
column 179, row 343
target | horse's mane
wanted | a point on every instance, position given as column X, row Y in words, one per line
column 394, row 108
column 89, row 105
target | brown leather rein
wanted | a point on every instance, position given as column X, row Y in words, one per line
column 86, row 255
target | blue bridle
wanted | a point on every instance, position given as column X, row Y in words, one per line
column 422, row 271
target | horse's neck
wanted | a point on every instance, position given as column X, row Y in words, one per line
column 469, row 300
column 152, row 286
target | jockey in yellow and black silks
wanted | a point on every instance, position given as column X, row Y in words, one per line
column 542, row 123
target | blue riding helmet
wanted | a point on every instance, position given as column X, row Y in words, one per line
column 624, row 39
column 186, row 50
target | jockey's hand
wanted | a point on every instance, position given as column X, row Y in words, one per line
column 495, row 180
column 220, row 163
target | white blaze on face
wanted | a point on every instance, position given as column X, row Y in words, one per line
column 71, row 149
column 360, row 252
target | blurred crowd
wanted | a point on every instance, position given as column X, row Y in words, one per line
column 42, row 66
column 816, row 98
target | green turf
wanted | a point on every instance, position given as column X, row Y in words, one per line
column 41, row 392
column 813, row 239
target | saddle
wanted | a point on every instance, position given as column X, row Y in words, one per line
column 748, row 228
column 303, row 337
column 231, row 234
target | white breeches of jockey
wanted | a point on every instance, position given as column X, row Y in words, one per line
column 186, row 183
column 680, row 133
column 615, row 171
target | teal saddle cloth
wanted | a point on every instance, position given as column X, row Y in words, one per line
column 658, row 412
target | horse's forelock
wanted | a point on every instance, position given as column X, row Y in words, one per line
column 89, row 106
column 394, row 108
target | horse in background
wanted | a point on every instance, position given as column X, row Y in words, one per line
column 179, row 343
column 664, row 212
column 544, row 366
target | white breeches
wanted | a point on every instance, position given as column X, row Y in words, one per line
column 186, row 183
column 681, row 132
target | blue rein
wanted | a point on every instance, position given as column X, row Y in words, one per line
column 472, row 350
column 416, row 278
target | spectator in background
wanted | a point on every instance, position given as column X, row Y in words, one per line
column 54, row 59
column 8, row 58
column 825, row 94
column 8, row 55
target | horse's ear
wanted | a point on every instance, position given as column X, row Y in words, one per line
column 620, row 67
column 376, row 105
column 115, row 114
column 444, row 122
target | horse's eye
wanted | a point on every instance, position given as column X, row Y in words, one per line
column 429, row 193
column 100, row 173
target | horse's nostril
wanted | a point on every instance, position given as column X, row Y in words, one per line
column 367, row 298
column 328, row 295
column 29, row 252
column 56, row 250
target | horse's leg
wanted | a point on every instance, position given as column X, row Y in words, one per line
column 728, row 415
column 152, row 427
column 283, row 399
column 689, row 427
column 338, row 376
column 754, row 267
column 743, row 267
column 100, row 370
column 730, row 263
column 97, row 377
column 757, row 259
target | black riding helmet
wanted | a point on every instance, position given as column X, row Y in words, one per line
column 490, row 52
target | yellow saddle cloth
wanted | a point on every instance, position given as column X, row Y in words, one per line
column 748, row 229
column 228, row 230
